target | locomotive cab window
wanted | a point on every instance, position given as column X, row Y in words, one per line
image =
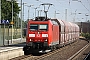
column 43, row 27
column 38, row 27
column 33, row 27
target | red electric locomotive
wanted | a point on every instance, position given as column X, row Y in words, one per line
column 44, row 35
column 41, row 35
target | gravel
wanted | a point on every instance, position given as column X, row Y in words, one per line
column 68, row 51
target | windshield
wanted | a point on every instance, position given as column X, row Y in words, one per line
column 38, row 27
column 33, row 27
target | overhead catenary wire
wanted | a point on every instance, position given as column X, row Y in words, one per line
column 61, row 5
column 39, row 1
column 84, row 5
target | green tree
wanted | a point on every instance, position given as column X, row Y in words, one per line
column 6, row 10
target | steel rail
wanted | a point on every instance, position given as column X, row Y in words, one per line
column 76, row 54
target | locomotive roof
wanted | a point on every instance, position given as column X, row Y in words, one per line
column 41, row 18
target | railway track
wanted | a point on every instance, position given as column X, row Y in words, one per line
column 64, row 56
column 60, row 50
column 80, row 51
column 87, row 57
column 21, row 57
column 50, row 54
column 31, row 57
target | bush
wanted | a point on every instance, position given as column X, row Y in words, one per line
column 86, row 35
column 82, row 34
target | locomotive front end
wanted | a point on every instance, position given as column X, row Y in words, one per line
column 38, row 36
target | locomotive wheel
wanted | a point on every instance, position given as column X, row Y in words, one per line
column 26, row 50
column 53, row 48
column 57, row 46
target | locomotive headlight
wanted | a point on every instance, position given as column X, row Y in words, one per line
column 31, row 35
column 30, row 40
column 44, row 35
column 46, row 40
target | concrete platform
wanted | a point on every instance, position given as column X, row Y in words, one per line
column 12, row 51
column 7, row 53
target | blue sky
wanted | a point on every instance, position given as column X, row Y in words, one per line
column 73, row 8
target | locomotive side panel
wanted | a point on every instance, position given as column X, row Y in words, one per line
column 50, row 33
column 55, row 34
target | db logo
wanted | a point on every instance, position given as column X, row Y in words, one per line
column 38, row 35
